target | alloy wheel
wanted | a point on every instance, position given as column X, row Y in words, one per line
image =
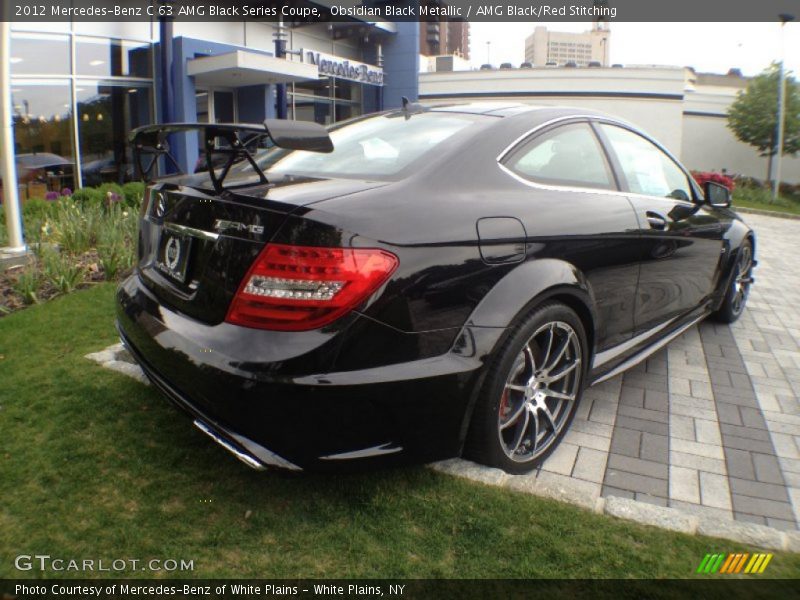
column 539, row 393
column 743, row 279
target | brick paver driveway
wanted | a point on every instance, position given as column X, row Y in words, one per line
column 710, row 424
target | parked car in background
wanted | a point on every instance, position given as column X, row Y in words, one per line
column 419, row 284
column 41, row 172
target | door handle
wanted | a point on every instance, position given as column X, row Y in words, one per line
column 656, row 220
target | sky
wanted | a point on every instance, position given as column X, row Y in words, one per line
column 708, row 47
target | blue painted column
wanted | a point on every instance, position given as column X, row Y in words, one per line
column 280, row 89
column 401, row 65
column 185, row 146
column 257, row 103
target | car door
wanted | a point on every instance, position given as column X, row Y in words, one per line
column 681, row 236
column 576, row 213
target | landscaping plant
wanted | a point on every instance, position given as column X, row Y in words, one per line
column 75, row 240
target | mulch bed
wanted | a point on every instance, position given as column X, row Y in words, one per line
column 11, row 301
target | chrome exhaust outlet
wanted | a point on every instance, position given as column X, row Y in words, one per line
column 247, row 459
column 249, row 452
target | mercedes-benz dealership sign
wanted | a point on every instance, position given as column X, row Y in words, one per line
column 344, row 68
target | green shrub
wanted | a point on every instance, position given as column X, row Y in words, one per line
column 134, row 192
column 74, row 227
column 792, row 192
column 111, row 193
column 36, row 208
column 87, row 197
column 62, row 271
column 28, row 284
column 759, row 194
column 116, row 241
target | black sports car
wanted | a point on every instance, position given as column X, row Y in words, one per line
column 418, row 284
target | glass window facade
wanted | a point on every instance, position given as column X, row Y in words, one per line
column 75, row 100
column 107, row 112
column 39, row 54
column 326, row 101
column 100, row 57
column 43, row 136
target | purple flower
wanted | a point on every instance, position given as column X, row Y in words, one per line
column 51, row 196
column 66, row 192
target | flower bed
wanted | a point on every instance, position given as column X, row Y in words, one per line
column 75, row 240
column 702, row 176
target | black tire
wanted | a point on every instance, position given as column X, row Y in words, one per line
column 504, row 409
column 738, row 290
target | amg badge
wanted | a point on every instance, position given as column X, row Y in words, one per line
column 223, row 225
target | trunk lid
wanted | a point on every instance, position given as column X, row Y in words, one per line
column 196, row 245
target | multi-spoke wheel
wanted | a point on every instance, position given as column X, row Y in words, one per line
column 540, row 391
column 736, row 295
column 531, row 392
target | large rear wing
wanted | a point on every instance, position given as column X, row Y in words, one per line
column 241, row 140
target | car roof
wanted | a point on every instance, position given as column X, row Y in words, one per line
column 499, row 109
column 510, row 109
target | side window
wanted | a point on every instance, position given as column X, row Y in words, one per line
column 568, row 155
column 645, row 166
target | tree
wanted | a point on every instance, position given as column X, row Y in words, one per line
column 753, row 116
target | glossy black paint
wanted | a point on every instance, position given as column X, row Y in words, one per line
column 478, row 247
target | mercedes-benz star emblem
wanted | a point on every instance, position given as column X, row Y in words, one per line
column 172, row 253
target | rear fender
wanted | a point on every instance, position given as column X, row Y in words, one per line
column 735, row 237
column 528, row 285
column 521, row 290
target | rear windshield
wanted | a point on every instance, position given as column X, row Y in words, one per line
column 377, row 147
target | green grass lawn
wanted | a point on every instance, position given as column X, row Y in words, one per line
column 761, row 199
column 788, row 207
column 96, row 465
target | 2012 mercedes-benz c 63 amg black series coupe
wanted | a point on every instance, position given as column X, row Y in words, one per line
column 417, row 284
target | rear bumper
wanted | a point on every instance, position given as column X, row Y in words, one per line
column 246, row 450
column 269, row 398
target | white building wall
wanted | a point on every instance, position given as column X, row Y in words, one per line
column 258, row 35
column 222, row 32
column 649, row 98
column 709, row 145
column 656, row 99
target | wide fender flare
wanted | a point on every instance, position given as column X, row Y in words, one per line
column 734, row 237
column 516, row 294
column 528, row 285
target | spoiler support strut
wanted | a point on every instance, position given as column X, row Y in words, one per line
column 292, row 135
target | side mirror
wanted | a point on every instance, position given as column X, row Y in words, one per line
column 717, row 195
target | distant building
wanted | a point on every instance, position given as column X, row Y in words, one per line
column 446, row 62
column 441, row 37
column 560, row 48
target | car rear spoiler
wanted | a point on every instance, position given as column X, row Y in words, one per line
column 242, row 139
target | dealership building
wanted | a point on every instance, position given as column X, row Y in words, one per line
column 77, row 88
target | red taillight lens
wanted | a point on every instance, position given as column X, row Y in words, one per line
column 297, row 288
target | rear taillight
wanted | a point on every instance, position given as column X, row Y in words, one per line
column 147, row 200
column 297, row 288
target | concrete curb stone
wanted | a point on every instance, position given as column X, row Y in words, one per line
column 672, row 519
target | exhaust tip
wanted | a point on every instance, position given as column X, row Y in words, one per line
column 248, row 459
